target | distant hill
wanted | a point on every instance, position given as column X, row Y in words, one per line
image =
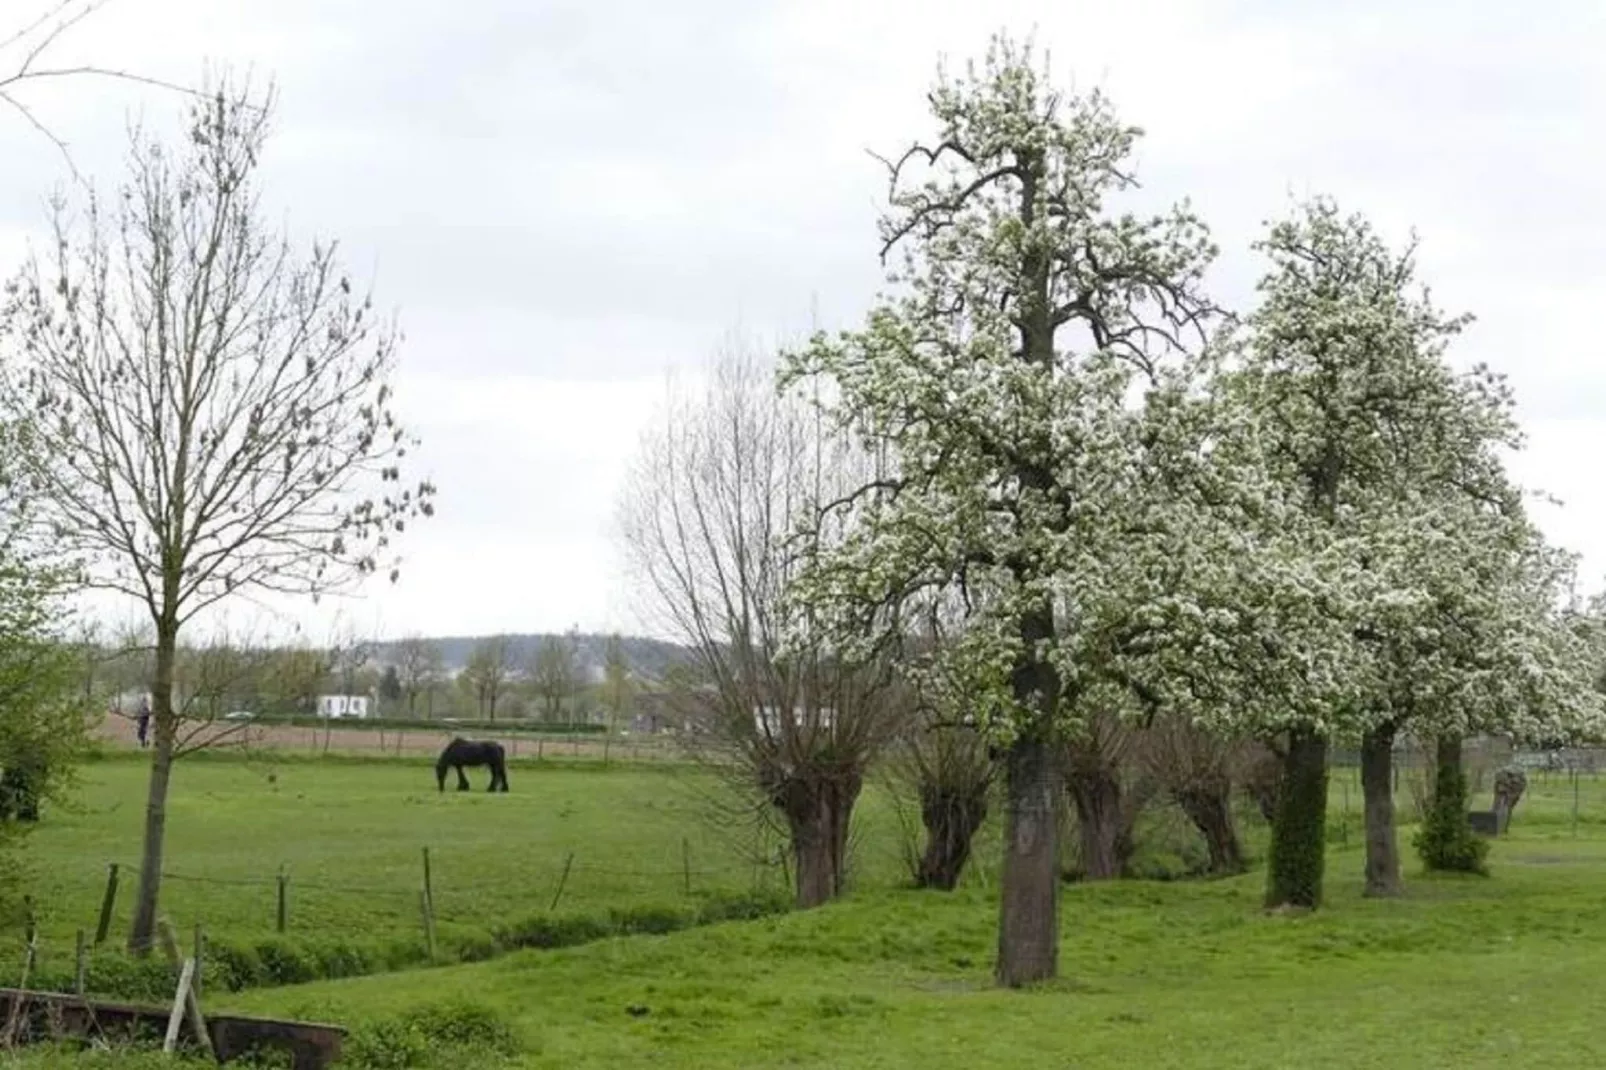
column 647, row 657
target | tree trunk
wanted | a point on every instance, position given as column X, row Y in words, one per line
column 1029, row 879
column 1445, row 841
column 818, row 807
column 1299, row 833
column 165, row 725
column 1263, row 783
column 1102, row 827
column 951, row 817
column 1449, row 784
column 1377, row 785
column 1209, row 807
column 1028, row 930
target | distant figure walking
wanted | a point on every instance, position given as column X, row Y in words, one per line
column 143, row 721
column 460, row 752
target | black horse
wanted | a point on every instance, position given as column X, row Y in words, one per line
column 472, row 752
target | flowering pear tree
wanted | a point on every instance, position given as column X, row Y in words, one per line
column 1004, row 382
column 1392, row 457
column 1497, row 658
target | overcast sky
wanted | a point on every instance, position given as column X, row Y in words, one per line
column 566, row 201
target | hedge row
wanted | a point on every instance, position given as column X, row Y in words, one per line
column 234, row 965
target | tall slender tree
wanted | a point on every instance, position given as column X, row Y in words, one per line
column 209, row 408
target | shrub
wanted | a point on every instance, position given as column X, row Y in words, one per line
column 657, row 920
column 445, row 1034
column 545, row 930
column 1445, row 841
column 742, row 906
column 386, row 1044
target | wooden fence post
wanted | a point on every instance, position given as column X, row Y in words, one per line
column 33, row 938
column 567, row 862
column 106, row 903
column 200, row 947
column 427, row 911
column 282, row 916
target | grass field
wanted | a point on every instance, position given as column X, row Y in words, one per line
column 350, row 835
column 1462, row 973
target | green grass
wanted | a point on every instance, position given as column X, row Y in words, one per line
column 1461, row 973
column 351, row 833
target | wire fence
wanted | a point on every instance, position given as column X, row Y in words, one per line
column 285, row 901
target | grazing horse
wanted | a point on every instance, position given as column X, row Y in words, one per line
column 472, row 752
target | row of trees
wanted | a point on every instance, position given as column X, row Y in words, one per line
column 409, row 678
column 553, row 684
column 1051, row 491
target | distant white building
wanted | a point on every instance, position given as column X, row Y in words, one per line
column 767, row 719
column 342, row 705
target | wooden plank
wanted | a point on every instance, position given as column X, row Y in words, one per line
column 314, row 1045
column 192, row 1002
column 181, row 999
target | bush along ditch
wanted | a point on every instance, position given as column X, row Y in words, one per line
column 451, row 1034
column 235, row 964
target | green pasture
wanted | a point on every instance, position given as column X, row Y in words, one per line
column 350, row 835
column 1464, row 972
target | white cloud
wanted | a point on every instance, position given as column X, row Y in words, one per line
column 565, row 199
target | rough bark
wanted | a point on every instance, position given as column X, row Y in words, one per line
column 951, row 818
column 1299, row 833
column 1103, row 826
column 1377, row 785
column 818, row 808
column 1028, row 930
column 1263, row 783
column 1209, row 807
column 165, row 730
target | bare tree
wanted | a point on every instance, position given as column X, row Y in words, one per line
column 210, row 680
column 718, row 491
column 209, row 409
column 948, row 764
column 24, row 58
column 419, row 666
column 553, row 675
column 1197, row 768
column 618, row 683
column 348, row 658
column 1106, row 795
column 294, row 677
column 942, row 758
column 489, row 669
